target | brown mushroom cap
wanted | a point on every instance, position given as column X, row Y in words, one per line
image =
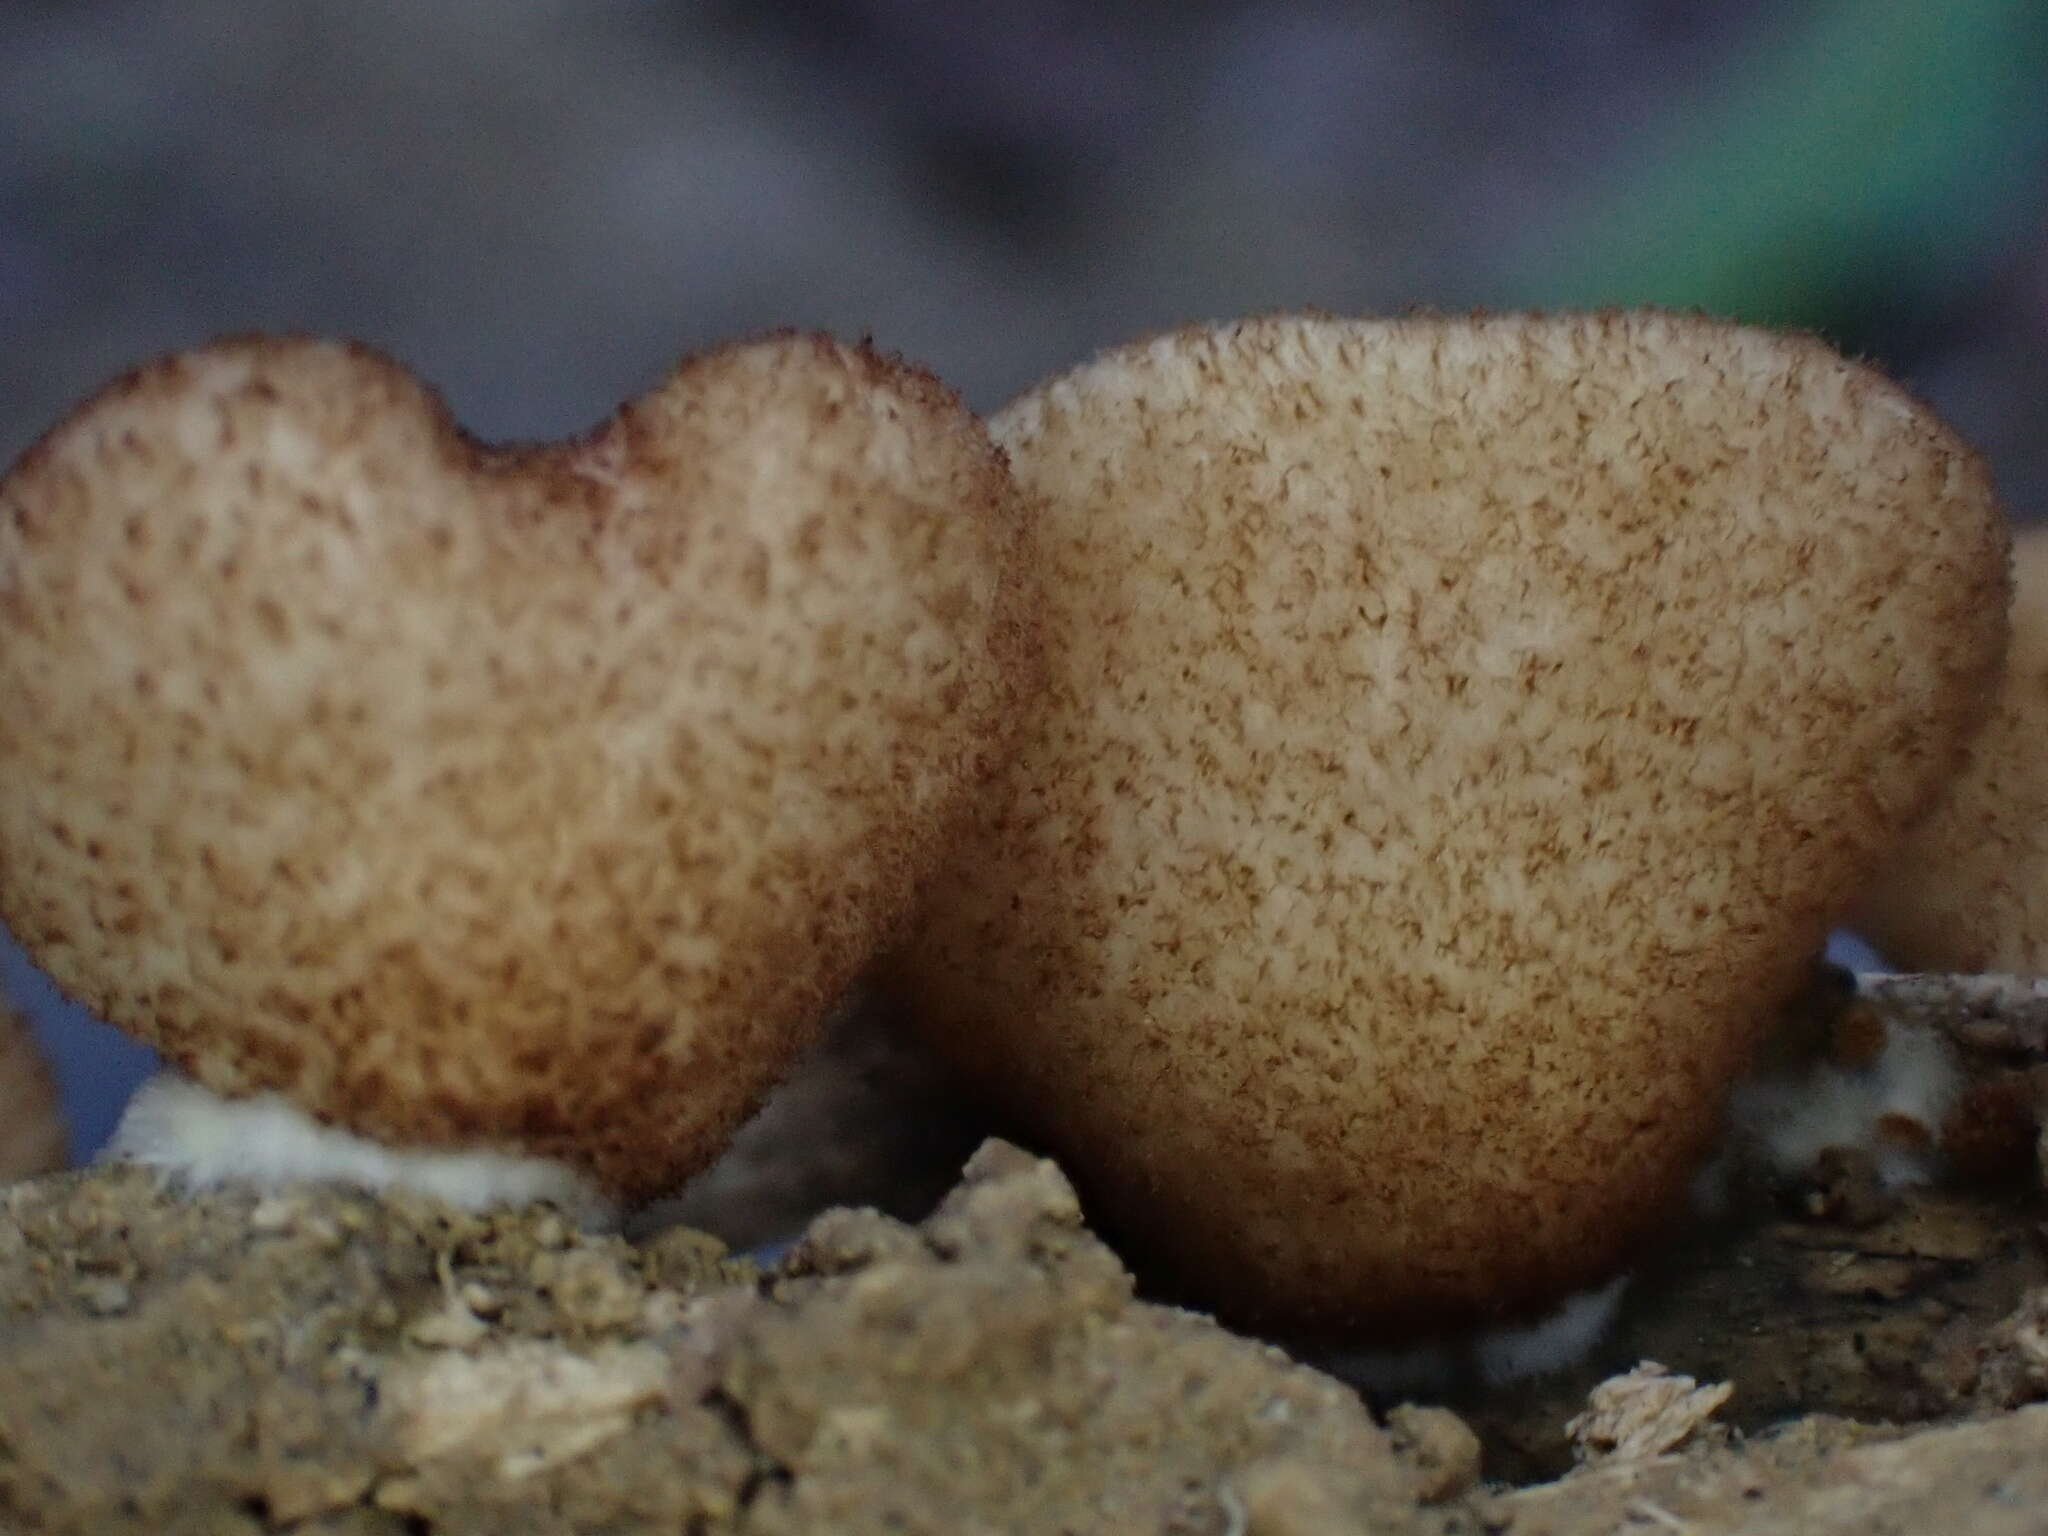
column 536, row 798
column 1967, row 889
column 32, row 1138
column 1460, row 735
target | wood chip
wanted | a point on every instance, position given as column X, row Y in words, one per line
column 1643, row 1413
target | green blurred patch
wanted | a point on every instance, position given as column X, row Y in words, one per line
column 1862, row 160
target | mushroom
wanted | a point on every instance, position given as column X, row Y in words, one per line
column 31, row 1128
column 1967, row 889
column 1460, row 733
column 528, row 803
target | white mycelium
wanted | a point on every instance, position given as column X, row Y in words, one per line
column 199, row 1138
column 1496, row 1356
column 1893, row 1107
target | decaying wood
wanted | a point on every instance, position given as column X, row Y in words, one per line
column 1834, row 1295
column 1992, row 1019
column 1861, row 1359
column 1819, row 1479
column 1998, row 1026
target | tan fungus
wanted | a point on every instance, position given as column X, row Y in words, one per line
column 1461, row 732
column 32, row 1136
column 540, row 797
column 1967, row 889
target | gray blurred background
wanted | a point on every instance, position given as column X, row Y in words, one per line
column 540, row 204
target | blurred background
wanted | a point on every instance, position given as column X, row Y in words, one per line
column 540, row 204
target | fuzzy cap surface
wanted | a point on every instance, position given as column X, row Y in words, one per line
column 1461, row 733
column 534, row 799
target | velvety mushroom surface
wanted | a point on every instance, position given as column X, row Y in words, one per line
column 1968, row 888
column 32, row 1136
column 534, row 798
column 1461, row 733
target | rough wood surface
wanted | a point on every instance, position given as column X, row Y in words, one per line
column 1818, row 1478
column 1992, row 1017
column 321, row 1361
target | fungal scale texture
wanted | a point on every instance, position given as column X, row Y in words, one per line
column 1967, row 890
column 32, row 1136
column 1461, row 733
column 531, row 799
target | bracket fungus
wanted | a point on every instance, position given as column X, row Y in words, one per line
column 534, row 800
column 1460, row 735
column 1967, row 890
